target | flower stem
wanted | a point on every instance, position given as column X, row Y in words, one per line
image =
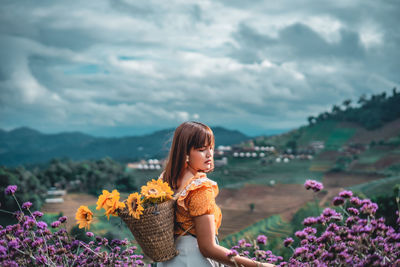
column 317, row 204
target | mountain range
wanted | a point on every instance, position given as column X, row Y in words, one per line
column 28, row 146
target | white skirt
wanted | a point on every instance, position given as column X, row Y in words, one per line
column 189, row 255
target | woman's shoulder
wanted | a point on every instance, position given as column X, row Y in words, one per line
column 197, row 184
column 199, row 181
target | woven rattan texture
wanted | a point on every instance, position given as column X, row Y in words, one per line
column 154, row 231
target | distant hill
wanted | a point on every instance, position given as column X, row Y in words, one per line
column 28, row 146
column 374, row 120
column 371, row 113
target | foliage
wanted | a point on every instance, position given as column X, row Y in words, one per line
column 30, row 242
column 372, row 113
column 85, row 176
column 31, row 189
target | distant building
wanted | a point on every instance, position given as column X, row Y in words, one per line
column 317, row 145
column 151, row 164
column 221, row 162
column 54, row 195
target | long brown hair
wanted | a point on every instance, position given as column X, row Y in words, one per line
column 188, row 135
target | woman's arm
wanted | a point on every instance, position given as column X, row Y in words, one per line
column 205, row 232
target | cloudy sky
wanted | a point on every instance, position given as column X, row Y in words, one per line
column 119, row 67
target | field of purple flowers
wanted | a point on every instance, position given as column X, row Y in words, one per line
column 347, row 234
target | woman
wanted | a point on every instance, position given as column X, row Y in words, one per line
column 198, row 218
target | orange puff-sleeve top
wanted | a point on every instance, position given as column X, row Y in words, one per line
column 197, row 198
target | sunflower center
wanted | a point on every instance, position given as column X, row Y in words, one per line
column 153, row 191
column 134, row 205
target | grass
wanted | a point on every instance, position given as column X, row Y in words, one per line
column 376, row 187
column 319, row 132
column 339, row 137
column 372, row 155
column 321, row 165
column 327, row 131
column 240, row 171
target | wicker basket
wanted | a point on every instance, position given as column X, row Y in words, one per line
column 154, row 231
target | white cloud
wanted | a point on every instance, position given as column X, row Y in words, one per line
column 155, row 63
column 327, row 26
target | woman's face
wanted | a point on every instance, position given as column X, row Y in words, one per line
column 201, row 158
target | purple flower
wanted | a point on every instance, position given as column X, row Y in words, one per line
column 242, row 242
column 366, row 201
column 355, row 201
column 328, row 212
column 232, row 253
column 27, row 205
column 89, row 234
column 351, row 220
column 11, row 189
column 41, row 225
column 124, row 242
column 310, row 230
column 262, row 239
column 41, row 259
column 62, row 219
column 346, row 194
column 333, row 228
column 301, row 234
column 37, row 214
column 288, row 241
column 13, row 244
column 337, row 201
column 55, row 224
column 300, row 250
column 353, row 211
column 326, row 256
column 369, row 208
column 3, row 251
column 310, row 221
column 314, row 185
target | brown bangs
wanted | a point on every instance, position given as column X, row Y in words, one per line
column 202, row 138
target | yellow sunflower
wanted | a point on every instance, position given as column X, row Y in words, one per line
column 84, row 217
column 166, row 188
column 110, row 202
column 153, row 191
column 134, row 203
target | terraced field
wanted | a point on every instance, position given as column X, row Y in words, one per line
column 273, row 227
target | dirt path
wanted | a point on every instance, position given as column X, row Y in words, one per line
column 72, row 201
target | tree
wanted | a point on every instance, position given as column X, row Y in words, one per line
column 311, row 120
column 347, row 103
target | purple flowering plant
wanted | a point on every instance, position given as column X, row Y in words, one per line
column 31, row 242
column 349, row 235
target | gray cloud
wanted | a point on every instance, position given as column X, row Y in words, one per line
column 127, row 67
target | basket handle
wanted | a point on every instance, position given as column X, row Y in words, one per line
column 185, row 231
